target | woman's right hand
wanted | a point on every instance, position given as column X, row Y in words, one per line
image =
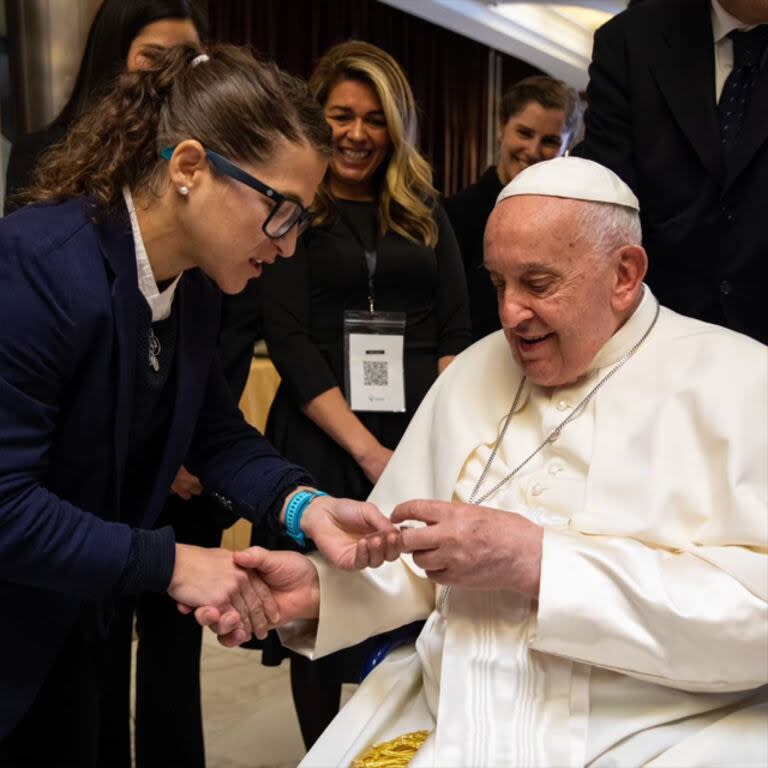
column 374, row 461
column 294, row 589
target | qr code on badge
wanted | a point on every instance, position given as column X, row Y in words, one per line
column 375, row 373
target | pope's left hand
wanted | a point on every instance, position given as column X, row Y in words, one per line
column 352, row 535
column 474, row 547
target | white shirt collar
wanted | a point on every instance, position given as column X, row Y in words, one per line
column 612, row 351
column 159, row 302
column 629, row 333
column 723, row 23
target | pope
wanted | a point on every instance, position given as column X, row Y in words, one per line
column 590, row 490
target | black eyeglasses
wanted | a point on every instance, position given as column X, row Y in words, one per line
column 286, row 213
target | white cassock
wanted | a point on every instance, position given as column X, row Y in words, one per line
column 649, row 642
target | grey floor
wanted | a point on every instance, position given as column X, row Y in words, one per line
column 248, row 712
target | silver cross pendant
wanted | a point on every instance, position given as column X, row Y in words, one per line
column 154, row 351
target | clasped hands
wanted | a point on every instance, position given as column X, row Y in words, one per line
column 460, row 544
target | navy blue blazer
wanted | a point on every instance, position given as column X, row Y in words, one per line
column 68, row 334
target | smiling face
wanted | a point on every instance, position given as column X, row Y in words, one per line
column 559, row 300
column 360, row 139
column 533, row 134
column 221, row 219
column 165, row 33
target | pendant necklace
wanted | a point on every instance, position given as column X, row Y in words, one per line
column 445, row 591
column 154, row 350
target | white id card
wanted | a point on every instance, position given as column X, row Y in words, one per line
column 374, row 361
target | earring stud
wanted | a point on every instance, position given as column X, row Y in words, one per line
column 183, row 191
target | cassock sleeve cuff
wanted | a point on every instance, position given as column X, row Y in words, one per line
column 354, row 606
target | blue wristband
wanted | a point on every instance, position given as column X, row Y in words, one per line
column 294, row 511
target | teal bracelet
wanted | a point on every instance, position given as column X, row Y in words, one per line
column 294, row 511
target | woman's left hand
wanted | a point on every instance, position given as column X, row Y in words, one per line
column 352, row 535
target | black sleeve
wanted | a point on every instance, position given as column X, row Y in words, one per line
column 45, row 541
column 234, row 462
column 287, row 296
column 608, row 120
column 151, row 559
column 452, row 299
column 241, row 327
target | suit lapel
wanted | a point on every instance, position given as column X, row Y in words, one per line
column 755, row 130
column 194, row 342
column 119, row 252
column 687, row 80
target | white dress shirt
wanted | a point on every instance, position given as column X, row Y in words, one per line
column 723, row 24
column 160, row 302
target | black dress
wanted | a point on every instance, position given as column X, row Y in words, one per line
column 469, row 211
column 305, row 298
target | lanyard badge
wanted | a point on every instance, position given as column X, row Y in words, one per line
column 373, row 346
column 373, row 360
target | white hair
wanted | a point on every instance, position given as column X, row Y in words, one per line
column 609, row 226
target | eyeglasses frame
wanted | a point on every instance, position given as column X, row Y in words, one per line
column 222, row 165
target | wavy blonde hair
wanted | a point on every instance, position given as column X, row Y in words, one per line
column 406, row 195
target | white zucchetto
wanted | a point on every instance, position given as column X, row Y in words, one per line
column 573, row 178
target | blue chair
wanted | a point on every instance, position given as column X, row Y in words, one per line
column 388, row 641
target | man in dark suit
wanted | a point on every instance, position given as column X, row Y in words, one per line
column 678, row 107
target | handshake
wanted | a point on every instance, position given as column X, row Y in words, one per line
column 250, row 592
column 463, row 545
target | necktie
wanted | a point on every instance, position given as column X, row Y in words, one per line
column 748, row 49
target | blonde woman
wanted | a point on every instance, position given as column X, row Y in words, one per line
column 378, row 238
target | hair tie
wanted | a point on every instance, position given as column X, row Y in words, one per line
column 199, row 59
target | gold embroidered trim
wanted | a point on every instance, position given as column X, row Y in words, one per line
column 396, row 753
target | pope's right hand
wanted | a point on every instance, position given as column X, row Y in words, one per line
column 292, row 580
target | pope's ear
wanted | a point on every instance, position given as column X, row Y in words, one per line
column 631, row 266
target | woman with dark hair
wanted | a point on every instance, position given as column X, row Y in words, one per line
column 168, row 717
column 119, row 34
column 117, row 38
column 189, row 177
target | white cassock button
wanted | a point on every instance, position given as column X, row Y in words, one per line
column 537, row 490
column 555, row 469
column 562, row 406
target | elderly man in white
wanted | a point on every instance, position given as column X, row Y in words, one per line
column 591, row 548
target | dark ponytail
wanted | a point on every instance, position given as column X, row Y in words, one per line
column 232, row 103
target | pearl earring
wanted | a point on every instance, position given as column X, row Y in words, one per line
column 183, row 191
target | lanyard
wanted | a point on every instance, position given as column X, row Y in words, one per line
column 371, row 256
